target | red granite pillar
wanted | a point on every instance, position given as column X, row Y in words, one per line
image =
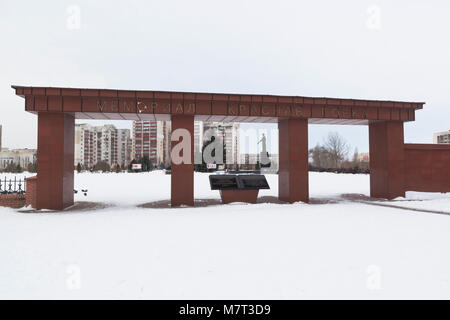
column 387, row 159
column 55, row 160
column 293, row 160
column 182, row 189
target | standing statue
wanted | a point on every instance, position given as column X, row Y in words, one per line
column 264, row 142
column 264, row 155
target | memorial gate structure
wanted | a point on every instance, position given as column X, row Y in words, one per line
column 395, row 167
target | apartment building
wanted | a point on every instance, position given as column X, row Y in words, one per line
column 229, row 132
column 103, row 143
column 124, row 147
column 164, row 143
column 442, row 137
column 152, row 139
column 84, row 145
column 198, row 136
column 107, row 144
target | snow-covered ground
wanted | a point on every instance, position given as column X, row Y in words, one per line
column 273, row 251
column 134, row 189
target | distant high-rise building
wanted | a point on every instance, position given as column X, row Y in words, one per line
column 152, row 139
column 124, row 147
column 85, row 146
column 229, row 132
column 442, row 137
column 145, row 140
column 198, row 141
column 164, row 129
column 103, row 143
column 107, row 139
column 198, row 136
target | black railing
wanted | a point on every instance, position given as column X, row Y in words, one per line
column 12, row 186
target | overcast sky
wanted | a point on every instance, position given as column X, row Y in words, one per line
column 394, row 50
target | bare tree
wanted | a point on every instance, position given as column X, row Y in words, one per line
column 337, row 147
column 320, row 157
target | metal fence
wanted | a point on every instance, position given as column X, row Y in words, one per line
column 12, row 186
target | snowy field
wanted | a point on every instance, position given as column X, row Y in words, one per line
column 264, row 251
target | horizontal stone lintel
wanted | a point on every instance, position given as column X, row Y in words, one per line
column 140, row 107
column 136, row 105
column 107, row 93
